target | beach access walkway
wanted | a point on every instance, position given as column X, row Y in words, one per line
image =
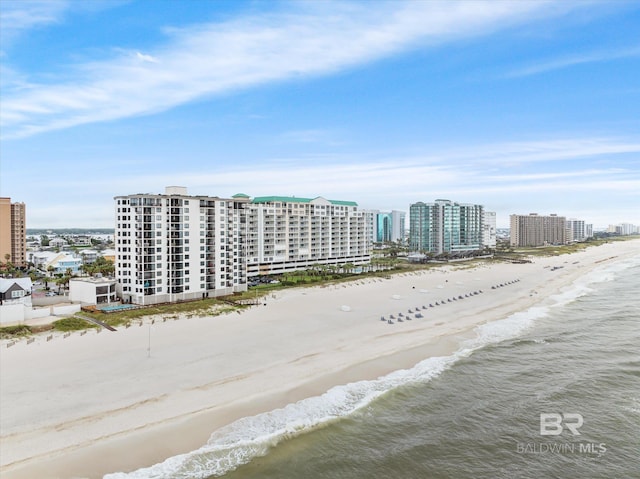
column 97, row 322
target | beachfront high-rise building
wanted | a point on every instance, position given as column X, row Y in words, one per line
column 389, row 226
column 538, row 230
column 173, row 246
column 489, row 230
column 290, row 233
column 13, row 233
column 445, row 227
column 576, row 230
column 588, row 230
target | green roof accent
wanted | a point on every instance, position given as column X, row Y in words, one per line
column 295, row 199
column 240, row 195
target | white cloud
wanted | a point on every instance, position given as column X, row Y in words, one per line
column 17, row 17
column 569, row 61
column 213, row 58
column 146, row 58
column 611, row 190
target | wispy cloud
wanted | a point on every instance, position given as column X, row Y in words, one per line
column 17, row 17
column 569, row 61
column 390, row 182
column 209, row 59
column 511, row 154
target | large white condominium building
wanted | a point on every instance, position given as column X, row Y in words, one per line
column 536, row 230
column 172, row 246
column 445, row 227
column 290, row 233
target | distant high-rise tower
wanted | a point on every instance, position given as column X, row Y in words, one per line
column 536, row 230
column 576, row 230
column 389, row 227
column 489, row 230
column 445, row 227
column 13, row 232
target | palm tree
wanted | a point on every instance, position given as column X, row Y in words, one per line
column 348, row 267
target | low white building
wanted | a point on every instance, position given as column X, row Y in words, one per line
column 93, row 290
column 15, row 290
column 15, row 300
column 41, row 259
column 58, row 242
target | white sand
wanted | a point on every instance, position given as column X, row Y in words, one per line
column 83, row 406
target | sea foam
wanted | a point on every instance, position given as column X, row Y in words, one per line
column 250, row 437
column 241, row 441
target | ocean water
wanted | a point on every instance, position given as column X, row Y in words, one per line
column 474, row 414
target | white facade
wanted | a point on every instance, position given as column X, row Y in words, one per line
column 92, row 290
column 626, row 229
column 175, row 247
column 489, row 230
column 576, row 230
column 289, row 233
column 15, row 300
column 41, row 259
column 57, row 242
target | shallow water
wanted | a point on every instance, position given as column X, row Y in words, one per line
column 473, row 414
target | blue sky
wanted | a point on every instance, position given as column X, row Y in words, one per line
column 522, row 107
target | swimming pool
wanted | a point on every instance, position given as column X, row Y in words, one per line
column 117, row 307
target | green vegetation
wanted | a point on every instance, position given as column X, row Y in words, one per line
column 202, row 307
column 511, row 253
column 100, row 265
column 8, row 332
column 72, row 324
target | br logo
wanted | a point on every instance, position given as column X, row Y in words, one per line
column 552, row 424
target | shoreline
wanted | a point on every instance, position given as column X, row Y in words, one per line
column 336, row 347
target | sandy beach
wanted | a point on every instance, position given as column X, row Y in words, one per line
column 87, row 405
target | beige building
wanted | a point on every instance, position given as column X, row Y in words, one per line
column 537, row 230
column 13, row 232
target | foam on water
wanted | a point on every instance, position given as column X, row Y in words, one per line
column 250, row 437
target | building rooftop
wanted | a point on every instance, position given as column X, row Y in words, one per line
column 295, row 199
